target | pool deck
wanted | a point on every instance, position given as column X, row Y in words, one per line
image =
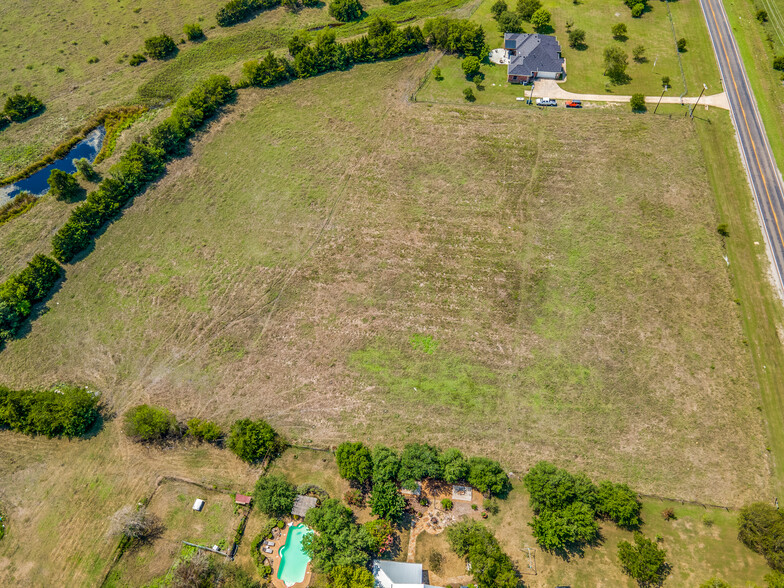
column 274, row 557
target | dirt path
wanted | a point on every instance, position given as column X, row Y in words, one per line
column 552, row 89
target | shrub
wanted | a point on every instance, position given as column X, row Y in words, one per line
column 615, row 63
column 85, row 169
column 510, row 22
column 557, row 530
column 437, row 76
column 238, row 10
column 435, row 561
column 265, row 73
column 553, row 488
column 639, row 53
column 67, row 410
column 274, row 495
column 93, row 59
column 498, row 8
column 345, row 10
column 774, row 579
column 298, row 42
column 668, row 514
column 715, row 583
column 638, row 102
column 577, row 38
column 254, row 441
column 468, row 94
column 351, row 577
column 446, row 503
column 137, row 59
column 204, row 430
column 723, row 230
column 619, row 31
column 147, row 423
column 160, row 47
column 644, row 561
column 491, row 505
column 383, row 535
column 665, row 81
column 354, row 462
column 193, row 31
column 681, row 45
column 470, row 66
column 490, row 566
column 778, row 62
column 19, row 108
column 638, row 10
column 22, row 290
column 63, row 186
column 540, row 19
column 761, row 529
column 618, row 503
column 762, row 15
column 354, row 497
column 463, row 37
column 527, row 8
column 136, row 524
column 386, row 502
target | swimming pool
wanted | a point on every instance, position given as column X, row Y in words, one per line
column 293, row 559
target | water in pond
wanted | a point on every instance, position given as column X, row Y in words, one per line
column 36, row 183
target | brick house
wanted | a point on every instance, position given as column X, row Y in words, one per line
column 533, row 56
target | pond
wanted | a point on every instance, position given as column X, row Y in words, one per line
column 36, row 183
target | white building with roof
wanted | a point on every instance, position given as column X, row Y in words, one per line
column 395, row 574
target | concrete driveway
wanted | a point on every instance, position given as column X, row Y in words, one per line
column 551, row 89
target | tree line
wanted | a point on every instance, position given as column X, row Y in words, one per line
column 65, row 410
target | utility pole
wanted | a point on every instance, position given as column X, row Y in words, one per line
column 660, row 99
column 704, row 87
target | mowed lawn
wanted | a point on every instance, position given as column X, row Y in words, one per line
column 347, row 264
column 585, row 65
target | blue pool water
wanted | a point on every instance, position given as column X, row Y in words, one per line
column 293, row 559
column 36, row 183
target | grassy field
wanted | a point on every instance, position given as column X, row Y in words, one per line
column 53, row 36
column 585, row 66
column 321, row 226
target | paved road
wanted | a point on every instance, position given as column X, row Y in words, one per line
column 763, row 174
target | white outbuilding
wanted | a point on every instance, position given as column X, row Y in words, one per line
column 198, row 505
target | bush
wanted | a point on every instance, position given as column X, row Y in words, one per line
column 268, row 72
column 491, row 505
column 619, row 31
column 527, row 8
column 386, row 502
column 510, row 22
column 147, row 423
column 778, row 63
column 665, row 81
column 462, row 37
column 454, row 466
column 715, row 583
column 761, row 529
column 85, row 169
column 638, row 102
column 668, row 514
column 723, row 230
column 193, row 31
column 298, row 42
column 437, row 76
column 446, row 503
column 470, row 66
column 553, row 488
column 160, row 47
column 558, row 530
column 67, row 411
column 762, row 15
column 644, row 561
column 540, row 19
column 386, row 464
column 22, row 290
column 639, row 53
column 274, row 495
column 498, row 8
column 615, row 64
column 774, row 579
column 345, row 10
column 681, row 45
column 638, row 10
column 618, row 503
column 204, row 430
column 490, row 566
column 577, row 38
column 238, row 10
column 351, row 576
column 254, row 441
column 63, row 186
column 468, row 94
column 354, row 462
column 137, row 59
column 382, row 533
column 435, row 561
column 19, row 108
column 354, row 497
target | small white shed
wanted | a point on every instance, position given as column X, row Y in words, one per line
column 198, row 505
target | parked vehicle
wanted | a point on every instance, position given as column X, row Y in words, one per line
column 574, row 104
column 546, row 102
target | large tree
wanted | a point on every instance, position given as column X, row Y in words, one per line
column 618, row 503
column 386, row 502
column 338, row 541
column 454, row 466
column 490, row 566
column 527, row 8
column 761, row 528
column 253, row 441
column 615, row 63
column 63, row 186
column 149, row 423
column 419, row 461
column 354, row 462
column 644, row 561
column 487, row 475
column 274, row 495
column 386, row 464
column 557, row 530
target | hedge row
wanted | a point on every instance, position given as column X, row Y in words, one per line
column 142, row 163
column 21, row 291
column 66, row 410
column 238, row 10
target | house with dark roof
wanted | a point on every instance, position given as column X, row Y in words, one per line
column 533, row 56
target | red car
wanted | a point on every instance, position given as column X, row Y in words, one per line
column 574, row 104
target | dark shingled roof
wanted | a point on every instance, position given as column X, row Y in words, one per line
column 534, row 53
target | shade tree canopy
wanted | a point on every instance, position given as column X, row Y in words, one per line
column 274, row 495
column 354, row 462
column 253, row 441
column 419, row 461
column 644, row 561
column 386, row 464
